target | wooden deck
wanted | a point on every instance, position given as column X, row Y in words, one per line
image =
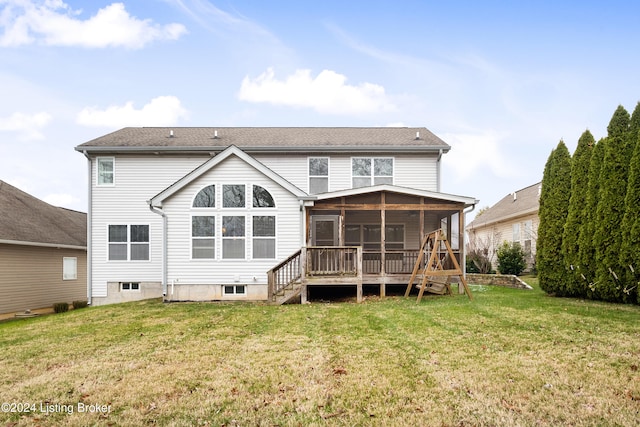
column 339, row 265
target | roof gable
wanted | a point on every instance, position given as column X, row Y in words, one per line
column 213, row 162
column 522, row 202
column 25, row 219
column 468, row 201
column 267, row 139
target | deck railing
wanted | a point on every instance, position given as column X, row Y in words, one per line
column 339, row 261
column 332, row 260
column 285, row 273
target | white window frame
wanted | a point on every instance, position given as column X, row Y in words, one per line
column 244, row 214
column 129, row 244
column 69, row 268
column 130, row 286
column 270, row 238
column 309, row 176
column 113, row 171
column 372, row 176
column 214, row 237
column 516, row 236
column 246, row 201
column 235, row 290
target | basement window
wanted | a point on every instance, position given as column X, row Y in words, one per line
column 234, row 290
column 129, row 286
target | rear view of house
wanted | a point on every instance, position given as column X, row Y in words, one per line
column 43, row 252
column 236, row 213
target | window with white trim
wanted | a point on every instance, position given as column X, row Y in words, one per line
column 233, row 237
column 130, row 286
column 318, row 175
column 516, row 232
column 233, row 196
column 264, row 237
column 234, row 290
column 262, row 198
column 128, row 242
column 203, row 237
column 105, row 171
column 206, row 198
column 69, row 268
column 367, row 171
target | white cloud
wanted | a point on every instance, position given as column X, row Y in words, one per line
column 473, row 153
column 326, row 93
column 27, row 125
column 160, row 111
column 54, row 23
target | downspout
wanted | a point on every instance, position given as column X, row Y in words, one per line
column 89, row 229
column 438, row 166
column 164, row 245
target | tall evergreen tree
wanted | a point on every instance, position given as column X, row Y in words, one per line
column 610, row 211
column 576, row 216
column 554, row 205
column 587, row 250
column 630, row 246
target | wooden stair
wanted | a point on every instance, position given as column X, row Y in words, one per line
column 287, row 293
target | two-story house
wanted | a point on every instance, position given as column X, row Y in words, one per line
column 260, row 213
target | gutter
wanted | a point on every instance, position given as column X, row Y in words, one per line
column 266, row 149
column 42, row 245
column 438, row 164
column 164, row 245
column 89, row 231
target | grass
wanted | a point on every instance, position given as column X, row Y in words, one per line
column 509, row 357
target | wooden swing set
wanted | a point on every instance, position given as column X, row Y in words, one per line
column 435, row 279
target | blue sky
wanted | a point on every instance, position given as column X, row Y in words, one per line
column 501, row 82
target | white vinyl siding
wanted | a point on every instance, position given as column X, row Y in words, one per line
column 286, row 213
column 139, row 178
column 410, row 170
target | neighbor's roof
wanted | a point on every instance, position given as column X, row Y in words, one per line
column 522, row 202
column 266, row 139
column 25, row 219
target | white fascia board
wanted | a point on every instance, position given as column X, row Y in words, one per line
column 211, row 163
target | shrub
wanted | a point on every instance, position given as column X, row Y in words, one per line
column 478, row 262
column 61, row 307
column 511, row 258
column 79, row 304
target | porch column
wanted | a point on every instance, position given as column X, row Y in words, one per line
column 383, row 246
column 462, row 249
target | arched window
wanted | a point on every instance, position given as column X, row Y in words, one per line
column 206, row 198
column 262, row 198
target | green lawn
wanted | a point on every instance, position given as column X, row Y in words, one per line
column 508, row 357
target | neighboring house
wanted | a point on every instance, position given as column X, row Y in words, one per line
column 257, row 213
column 43, row 252
column 512, row 219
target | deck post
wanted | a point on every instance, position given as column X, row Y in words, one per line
column 303, row 293
column 359, row 274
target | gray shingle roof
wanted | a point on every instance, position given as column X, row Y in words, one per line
column 266, row 139
column 24, row 218
column 526, row 201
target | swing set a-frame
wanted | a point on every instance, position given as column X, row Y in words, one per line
column 434, row 278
